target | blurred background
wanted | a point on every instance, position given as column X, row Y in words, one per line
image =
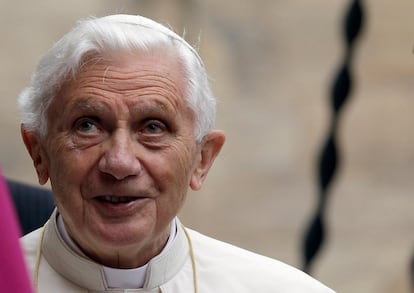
column 272, row 64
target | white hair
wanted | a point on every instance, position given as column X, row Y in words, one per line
column 97, row 36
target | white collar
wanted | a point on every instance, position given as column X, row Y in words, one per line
column 117, row 278
column 89, row 275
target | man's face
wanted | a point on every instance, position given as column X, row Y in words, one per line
column 120, row 153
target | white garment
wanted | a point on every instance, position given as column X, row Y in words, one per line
column 221, row 268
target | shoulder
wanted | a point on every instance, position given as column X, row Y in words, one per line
column 30, row 241
column 239, row 267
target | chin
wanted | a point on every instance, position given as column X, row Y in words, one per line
column 122, row 234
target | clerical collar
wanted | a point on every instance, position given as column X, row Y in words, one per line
column 117, row 278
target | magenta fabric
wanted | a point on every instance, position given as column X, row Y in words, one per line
column 13, row 272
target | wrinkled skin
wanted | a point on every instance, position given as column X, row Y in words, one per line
column 121, row 131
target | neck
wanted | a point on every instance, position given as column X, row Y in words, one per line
column 127, row 257
column 120, row 258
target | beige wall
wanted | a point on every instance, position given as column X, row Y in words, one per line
column 272, row 63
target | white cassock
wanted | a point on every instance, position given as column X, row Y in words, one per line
column 191, row 262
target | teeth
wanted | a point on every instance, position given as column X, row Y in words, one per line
column 117, row 199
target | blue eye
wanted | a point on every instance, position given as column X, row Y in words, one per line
column 86, row 126
column 154, row 127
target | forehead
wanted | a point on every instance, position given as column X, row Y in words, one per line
column 133, row 70
column 158, row 75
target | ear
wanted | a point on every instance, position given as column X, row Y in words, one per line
column 209, row 149
column 35, row 149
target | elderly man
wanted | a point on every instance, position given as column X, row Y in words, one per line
column 119, row 117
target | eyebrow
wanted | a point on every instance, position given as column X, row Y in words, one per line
column 154, row 106
column 89, row 106
column 86, row 105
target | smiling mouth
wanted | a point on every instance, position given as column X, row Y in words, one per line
column 116, row 199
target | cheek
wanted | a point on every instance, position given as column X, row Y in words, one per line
column 69, row 170
column 171, row 170
column 183, row 164
column 69, row 175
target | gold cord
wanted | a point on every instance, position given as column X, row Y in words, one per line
column 39, row 256
column 193, row 263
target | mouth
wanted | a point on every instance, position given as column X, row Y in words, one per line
column 116, row 199
column 120, row 206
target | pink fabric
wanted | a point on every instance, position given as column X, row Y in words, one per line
column 13, row 272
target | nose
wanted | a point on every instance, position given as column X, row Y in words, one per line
column 119, row 159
